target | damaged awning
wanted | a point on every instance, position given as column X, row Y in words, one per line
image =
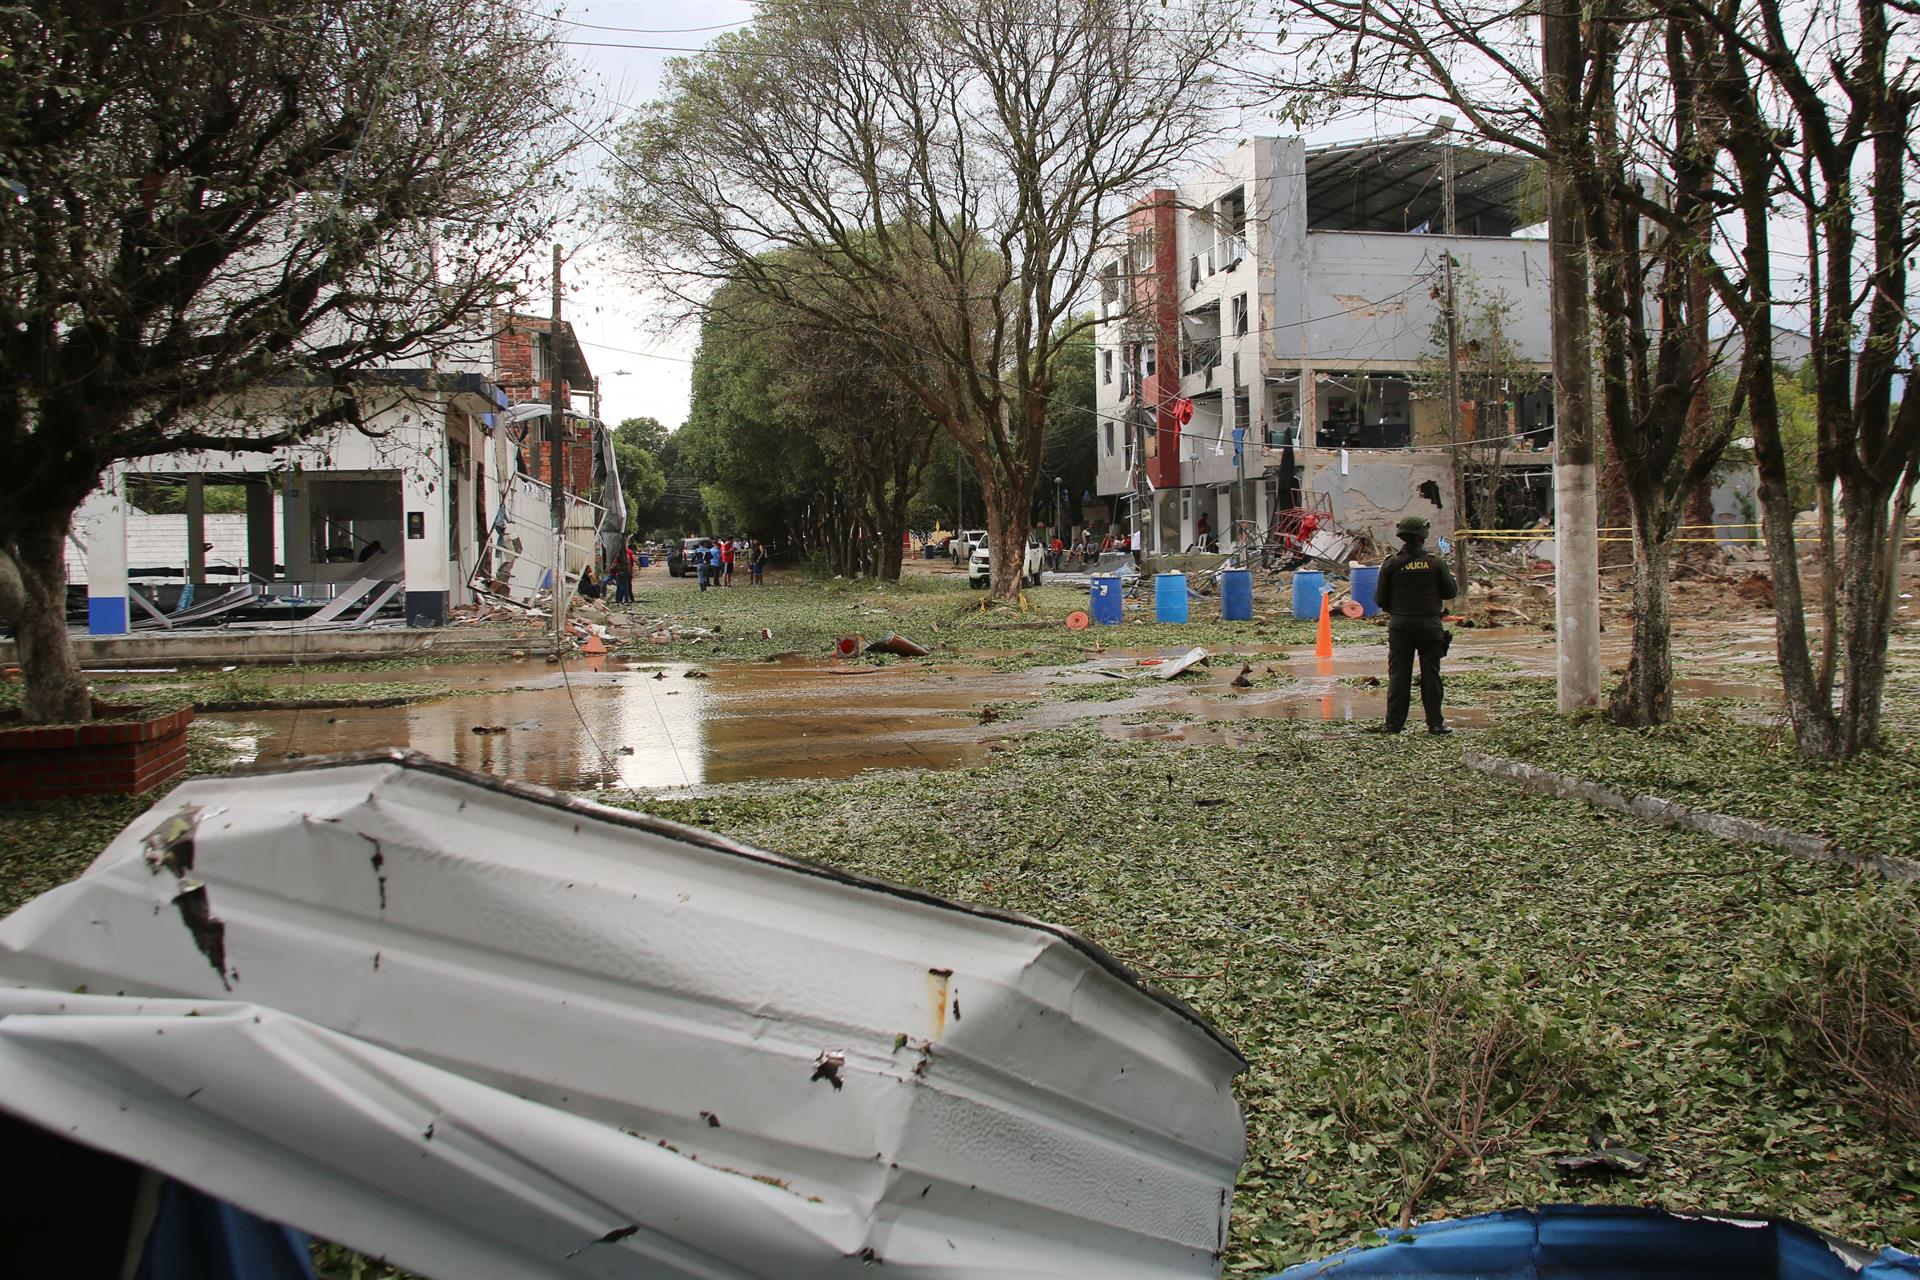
column 484, row 1030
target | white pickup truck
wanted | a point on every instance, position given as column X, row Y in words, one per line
column 961, row 548
column 1032, row 563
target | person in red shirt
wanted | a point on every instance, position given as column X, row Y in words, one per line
column 1056, row 548
column 726, row 562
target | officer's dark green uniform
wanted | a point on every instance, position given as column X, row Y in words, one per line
column 1413, row 583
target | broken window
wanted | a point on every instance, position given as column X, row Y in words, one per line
column 1232, row 223
column 1240, row 316
column 1106, row 367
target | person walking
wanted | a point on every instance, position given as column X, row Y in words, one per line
column 1413, row 584
column 700, row 565
column 757, row 564
column 622, row 579
column 726, row 562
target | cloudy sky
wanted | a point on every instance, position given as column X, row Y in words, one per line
column 621, row 47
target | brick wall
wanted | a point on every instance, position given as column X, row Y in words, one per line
column 103, row 757
column 513, row 372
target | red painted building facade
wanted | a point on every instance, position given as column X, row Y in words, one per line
column 1151, row 233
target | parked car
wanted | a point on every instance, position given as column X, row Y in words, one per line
column 679, row 558
column 964, row 542
column 1032, row 562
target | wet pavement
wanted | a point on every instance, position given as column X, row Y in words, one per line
column 618, row 723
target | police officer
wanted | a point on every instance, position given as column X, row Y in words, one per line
column 1413, row 582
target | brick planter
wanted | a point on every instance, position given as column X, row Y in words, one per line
column 124, row 755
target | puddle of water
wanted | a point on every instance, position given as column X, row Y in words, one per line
column 599, row 727
column 643, row 724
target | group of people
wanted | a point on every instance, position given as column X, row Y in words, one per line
column 714, row 562
column 616, row 583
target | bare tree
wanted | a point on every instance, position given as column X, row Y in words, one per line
column 1820, row 101
column 207, row 199
column 950, row 167
column 1764, row 115
column 1634, row 144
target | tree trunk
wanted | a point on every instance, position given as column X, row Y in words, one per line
column 33, row 596
column 1698, row 547
column 1616, row 516
column 1006, row 537
column 1814, row 728
column 1645, row 697
column 1864, row 589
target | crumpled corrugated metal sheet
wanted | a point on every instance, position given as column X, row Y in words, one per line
column 487, row 1031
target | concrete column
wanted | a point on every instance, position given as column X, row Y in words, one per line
column 260, row 557
column 196, row 532
column 107, row 559
column 424, row 494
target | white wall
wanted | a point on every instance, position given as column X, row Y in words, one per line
column 162, row 540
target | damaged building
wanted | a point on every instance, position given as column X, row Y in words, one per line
column 1272, row 335
column 432, row 495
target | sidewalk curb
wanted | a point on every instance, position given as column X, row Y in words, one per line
column 1667, row 813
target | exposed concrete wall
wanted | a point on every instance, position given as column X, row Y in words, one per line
column 1381, row 486
column 1369, row 294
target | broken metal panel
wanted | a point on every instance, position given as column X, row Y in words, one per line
column 841, row 1069
column 516, row 564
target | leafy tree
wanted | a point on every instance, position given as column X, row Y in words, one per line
column 212, row 198
column 948, row 176
column 641, row 479
column 645, row 432
column 808, row 440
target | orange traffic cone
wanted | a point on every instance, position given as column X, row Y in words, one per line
column 1323, row 643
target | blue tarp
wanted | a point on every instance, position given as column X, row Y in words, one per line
column 1589, row 1242
column 195, row 1237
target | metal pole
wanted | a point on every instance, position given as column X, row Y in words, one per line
column 556, row 427
column 1462, row 520
column 1575, row 503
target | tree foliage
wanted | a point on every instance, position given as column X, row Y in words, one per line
column 807, row 438
column 207, row 199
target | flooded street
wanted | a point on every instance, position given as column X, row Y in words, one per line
column 615, row 722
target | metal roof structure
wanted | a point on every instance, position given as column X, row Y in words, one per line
column 1395, row 184
column 490, row 1031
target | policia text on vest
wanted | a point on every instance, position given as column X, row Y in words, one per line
column 1414, row 583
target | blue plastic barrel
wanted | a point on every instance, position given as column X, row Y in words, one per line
column 646, row 559
column 1362, row 580
column 1105, row 602
column 1308, row 587
column 1236, row 595
column 1169, row 597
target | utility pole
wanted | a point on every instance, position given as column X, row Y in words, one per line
column 556, row 428
column 1462, row 520
column 1142, row 495
column 1575, row 508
